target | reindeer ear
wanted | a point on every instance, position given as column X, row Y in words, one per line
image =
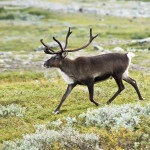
column 64, row 54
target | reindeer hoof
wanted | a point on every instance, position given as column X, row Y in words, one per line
column 141, row 98
column 96, row 103
column 108, row 102
column 56, row 112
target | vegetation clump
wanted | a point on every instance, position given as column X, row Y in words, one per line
column 126, row 116
column 66, row 138
column 12, row 110
column 65, row 134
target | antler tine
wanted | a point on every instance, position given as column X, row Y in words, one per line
column 41, row 40
column 92, row 37
column 48, row 50
column 67, row 36
column 90, row 40
column 62, row 50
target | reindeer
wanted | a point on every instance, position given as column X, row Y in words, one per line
column 90, row 70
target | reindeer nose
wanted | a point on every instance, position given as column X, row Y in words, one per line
column 45, row 64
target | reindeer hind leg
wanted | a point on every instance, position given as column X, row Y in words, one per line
column 134, row 84
column 121, row 87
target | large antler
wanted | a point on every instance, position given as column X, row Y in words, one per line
column 67, row 36
column 90, row 40
column 48, row 50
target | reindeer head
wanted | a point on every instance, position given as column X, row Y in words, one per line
column 60, row 55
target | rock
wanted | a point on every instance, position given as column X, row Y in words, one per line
column 106, row 51
column 99, row 48
column 141, row 41
column 130, row 49
column 118, row 49
column 1, row 61
column 80, row 10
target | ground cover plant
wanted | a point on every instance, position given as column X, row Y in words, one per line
column 29, row 93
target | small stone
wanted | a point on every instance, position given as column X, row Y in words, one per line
column 118, row 49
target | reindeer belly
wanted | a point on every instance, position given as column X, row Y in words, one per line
column 102, row 77
column 68, row 79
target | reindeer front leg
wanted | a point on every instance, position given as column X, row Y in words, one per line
column 91, row 92
column 68, row 91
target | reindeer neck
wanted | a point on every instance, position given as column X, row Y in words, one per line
column 67, row 66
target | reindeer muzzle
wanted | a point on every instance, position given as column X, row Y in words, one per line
column 46, row 65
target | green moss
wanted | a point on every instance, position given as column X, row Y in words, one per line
column 20, row 76
column 41, row 97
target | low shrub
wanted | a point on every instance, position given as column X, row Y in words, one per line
column 12, row 110
column 45, row 139
column 110, row 127
column 126, row 116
